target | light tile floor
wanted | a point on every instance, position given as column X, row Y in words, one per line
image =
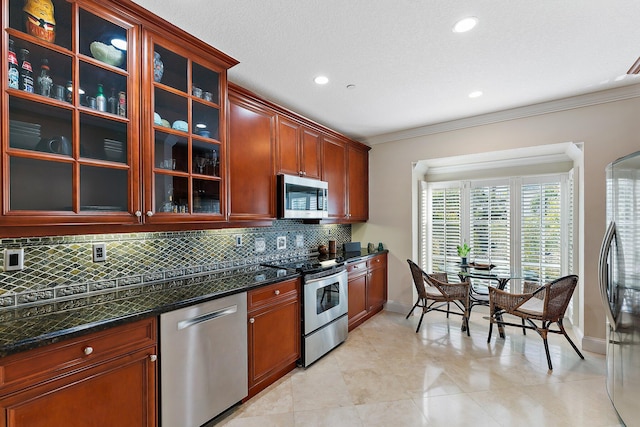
column 387, row 375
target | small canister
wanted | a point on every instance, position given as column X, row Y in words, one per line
column 332, row 246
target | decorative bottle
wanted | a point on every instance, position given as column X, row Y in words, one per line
column 26, row 72
column 45, row 82
column 14, row 73
column 112, row 102
column 101, row 100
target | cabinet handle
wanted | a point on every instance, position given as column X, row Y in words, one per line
column 153, row 357
column 149, row 213
column 87, row 350
column 138, row 214
column 252, row 320
column 277, row 292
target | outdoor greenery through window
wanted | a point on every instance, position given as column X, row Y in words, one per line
column 522, row 225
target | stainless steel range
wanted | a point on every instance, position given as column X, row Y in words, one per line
column 324, row 306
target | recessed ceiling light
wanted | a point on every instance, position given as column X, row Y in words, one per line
column 465, row 24
column 321, row 80
column 475, row 94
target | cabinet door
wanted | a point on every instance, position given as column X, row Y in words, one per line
column 377, row 283
column 334, row 162
column 357, row 299
column 358, row 185
column 274, row 342
column 72, row 137
column 289, row 152
column 184, row 133
column 118, row 393
column 251, row 178
column 310, row 158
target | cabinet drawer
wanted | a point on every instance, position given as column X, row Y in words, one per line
column 49, row 361
column 375, row 262
column 357, row 268
column 272, row 294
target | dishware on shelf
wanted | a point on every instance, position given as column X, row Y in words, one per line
column 156, row 119
column 180, row 125
column 207, row 96
column 201, row 162
column 165, row 123
column 196, row 91
column 56, row 145
column 107, row 53
column 158, row 67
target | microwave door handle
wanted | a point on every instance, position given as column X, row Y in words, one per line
column 603, row 272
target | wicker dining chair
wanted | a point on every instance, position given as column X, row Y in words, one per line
column 544, row 304
column 434, row 292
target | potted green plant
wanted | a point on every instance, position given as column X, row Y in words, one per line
column 463, row 251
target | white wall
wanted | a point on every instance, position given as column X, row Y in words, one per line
column 608, row 131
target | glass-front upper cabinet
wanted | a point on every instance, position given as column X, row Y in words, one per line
column 70, row 129
column 186, row 134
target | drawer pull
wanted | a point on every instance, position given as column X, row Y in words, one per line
column 277, row 292
column 153, row 357
column 252, row 320
column 87, row 350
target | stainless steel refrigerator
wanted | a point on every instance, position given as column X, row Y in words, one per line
column 619, row 277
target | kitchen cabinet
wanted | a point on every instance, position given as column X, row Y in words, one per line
column 252, row 185
column 125, row 135
column 273, row 333
column 184, row 132
column 298, row 149
column 367, row 288
column 66, row 157
column 345, row 165
column 104, row 378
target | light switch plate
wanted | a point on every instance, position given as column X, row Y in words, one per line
column 281, row 242
column 99, row 252
column 261, row 245
column 13, row 259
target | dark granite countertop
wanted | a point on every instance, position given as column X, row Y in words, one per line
column 30, row 327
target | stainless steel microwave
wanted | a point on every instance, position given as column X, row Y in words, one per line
column 302, row 198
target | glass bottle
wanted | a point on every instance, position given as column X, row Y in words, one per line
column 14, row 74
column 101, row 100
column 45, row 82
column 122, row 104
column 112, row 102
column 26, row 72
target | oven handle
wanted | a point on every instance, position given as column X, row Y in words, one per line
column 316, row 277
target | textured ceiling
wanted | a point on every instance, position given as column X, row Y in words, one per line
column 408, row 67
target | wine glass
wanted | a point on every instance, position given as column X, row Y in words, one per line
column 200, row 163
column 214, row 160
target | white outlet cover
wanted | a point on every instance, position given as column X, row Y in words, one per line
column 261, row 244
column 281, row 242
column 13, row 259
column 299, row 240
column 99, row 252
column 238, row 240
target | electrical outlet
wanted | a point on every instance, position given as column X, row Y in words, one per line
column 99, row 252
column 281, row 242
column 13, row 259
column 238, row 239
column 261, row 245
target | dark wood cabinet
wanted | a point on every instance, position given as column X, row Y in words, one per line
column 334, row 171
column 252, row 186
column 106, row 378
column 367, row 288
column 358, row 183
column 273, row 333
column 358, row 306
column 298, row 149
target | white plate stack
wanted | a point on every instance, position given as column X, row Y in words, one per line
column 23, row 135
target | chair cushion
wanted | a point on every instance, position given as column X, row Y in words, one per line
column 532, row 306
column 432, row 291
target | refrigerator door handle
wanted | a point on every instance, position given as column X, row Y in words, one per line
column 603, row 276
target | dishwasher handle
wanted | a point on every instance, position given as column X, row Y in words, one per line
column 183, row 324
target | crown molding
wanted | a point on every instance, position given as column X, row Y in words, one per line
column 593, row 98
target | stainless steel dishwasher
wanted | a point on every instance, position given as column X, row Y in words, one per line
column 203, row 360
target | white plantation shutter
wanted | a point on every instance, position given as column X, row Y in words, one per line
column 490, row 225
column 445, row 232
column 541, row 231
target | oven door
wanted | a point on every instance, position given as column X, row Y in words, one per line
column 325, row 299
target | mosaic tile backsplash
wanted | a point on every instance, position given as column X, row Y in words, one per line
column 61, row 267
